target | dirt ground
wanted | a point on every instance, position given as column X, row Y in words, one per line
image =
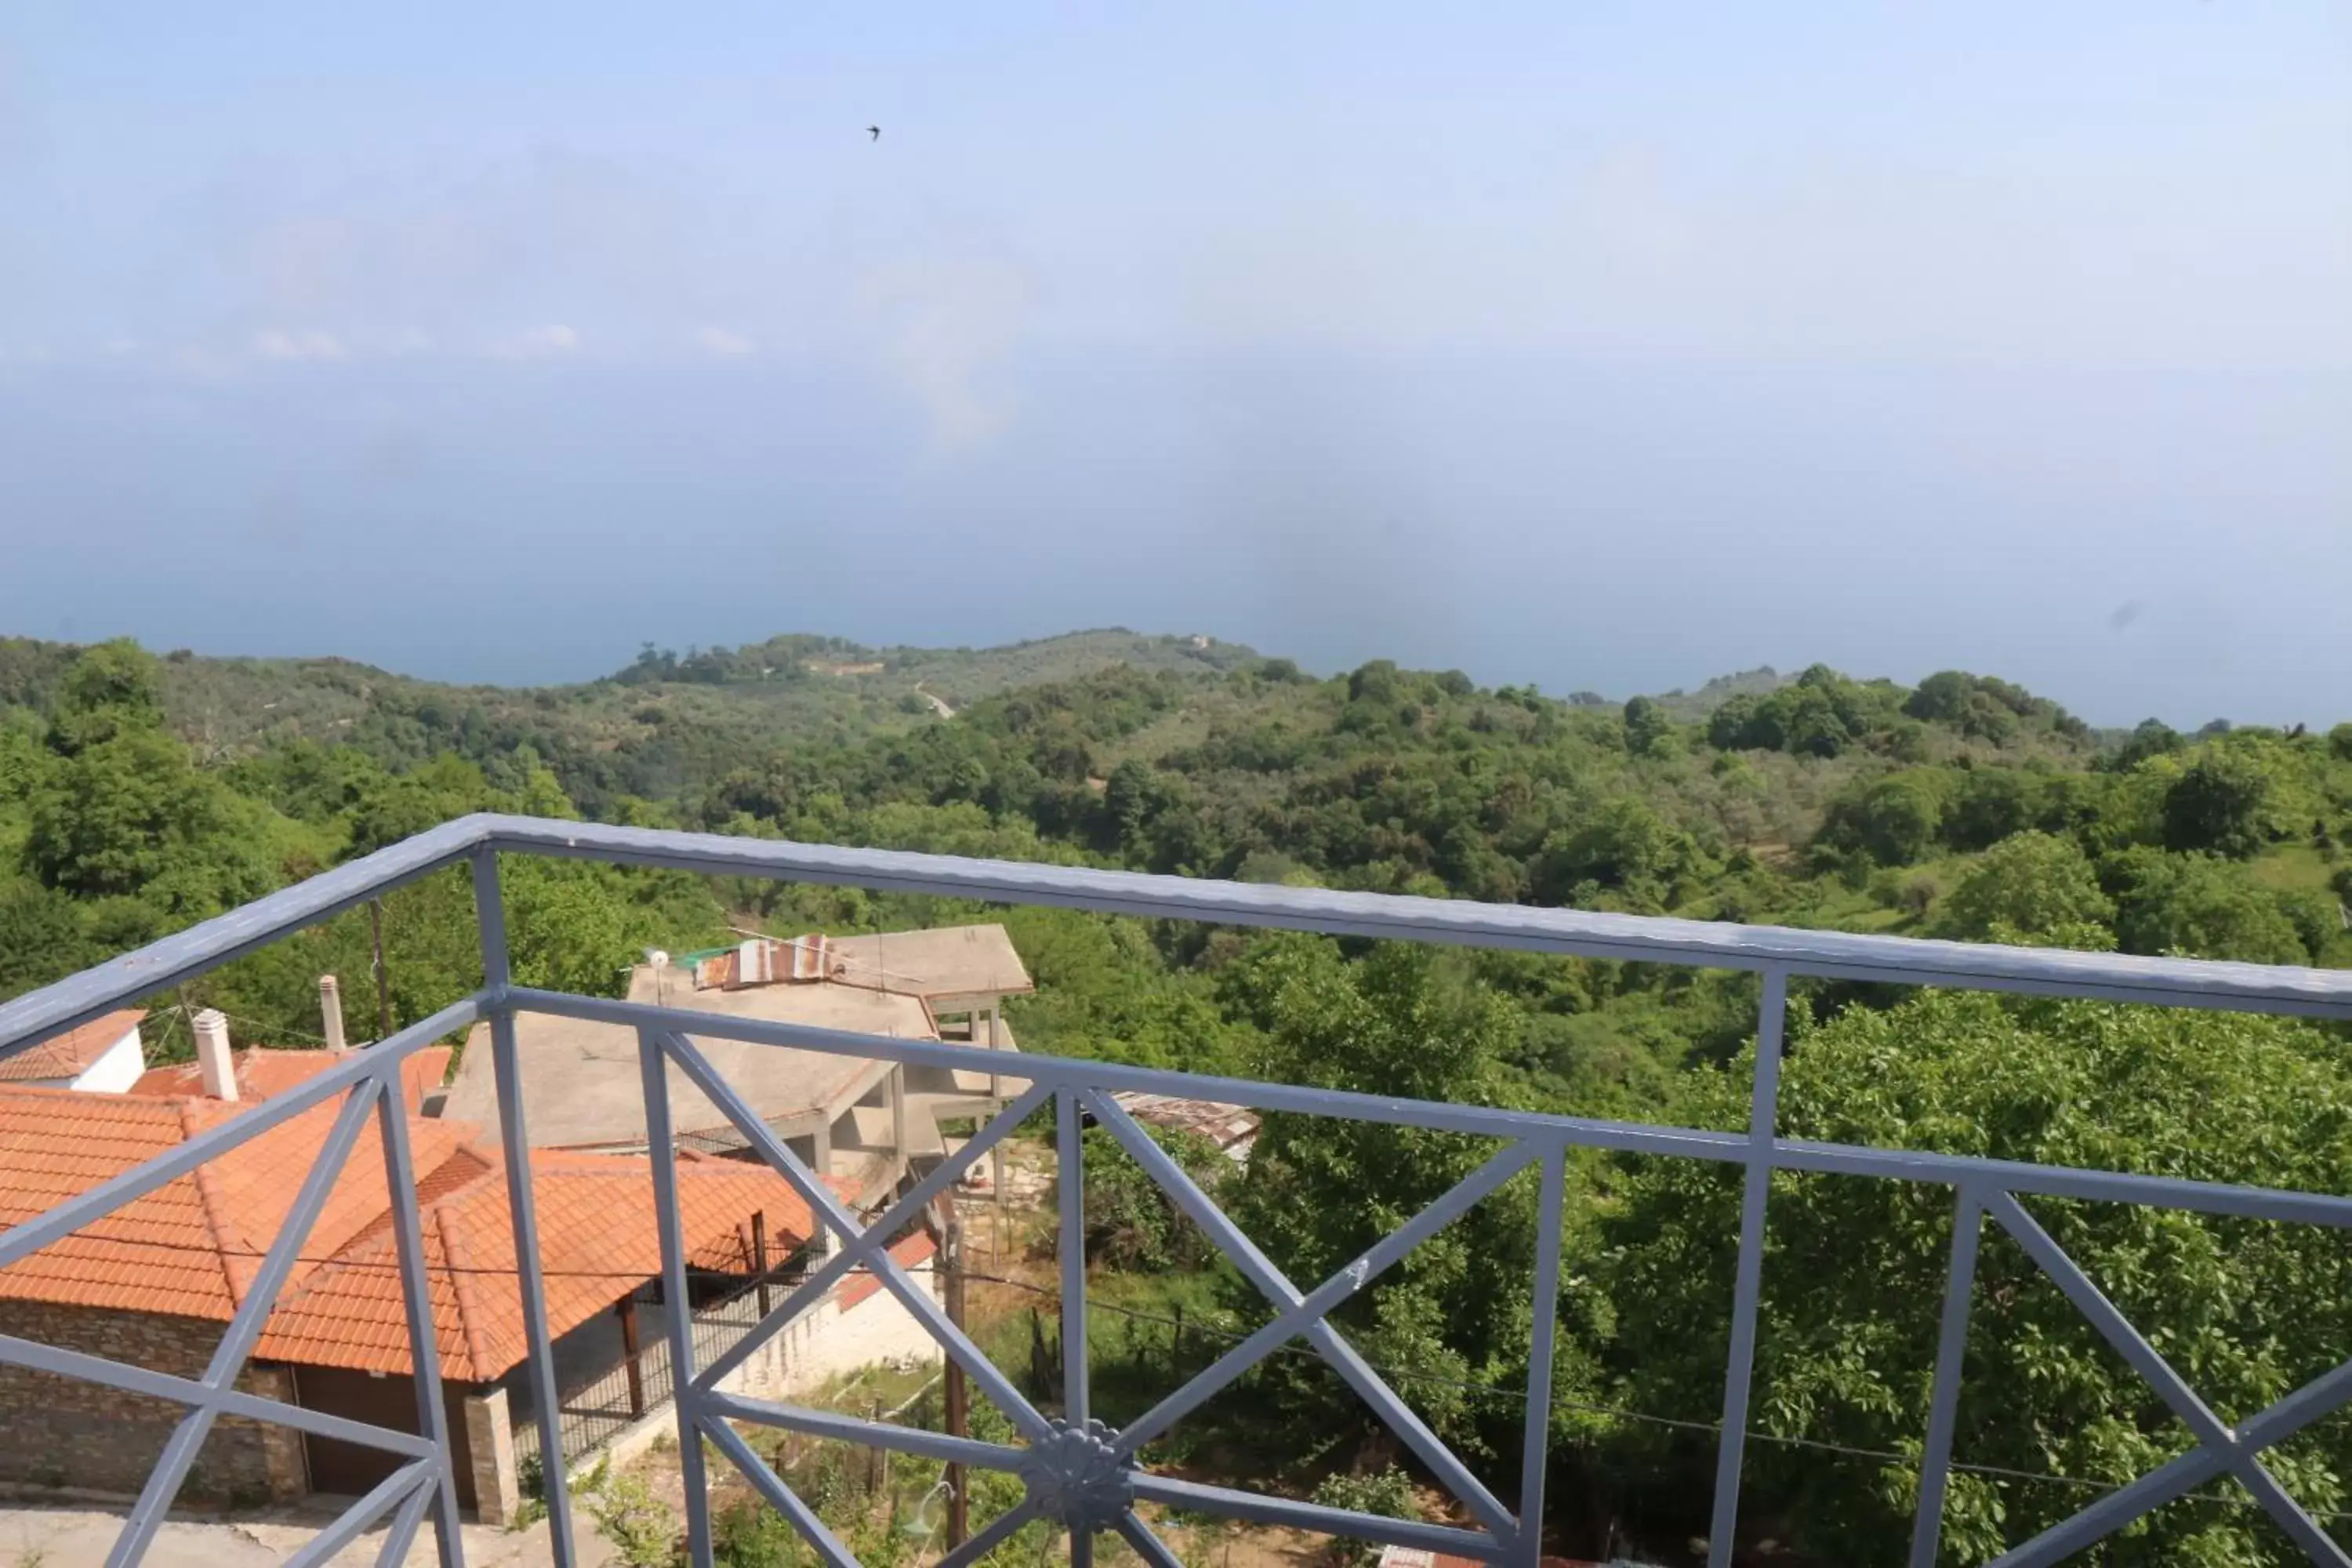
column 80, row 1535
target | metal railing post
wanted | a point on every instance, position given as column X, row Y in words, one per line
column 1536, row 1439
column 1763, row 1114
column 677, row 1314
column 1070, row 1173
column 416, row 1304
column 489, row 913
column 1951, row 1348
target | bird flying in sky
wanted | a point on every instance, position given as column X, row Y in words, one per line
column 874, row 131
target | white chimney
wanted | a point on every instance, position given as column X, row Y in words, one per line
column 213, row 1059
column 330, row 1008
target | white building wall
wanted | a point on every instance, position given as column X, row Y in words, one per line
column 117, row 1069
column 826, row 1343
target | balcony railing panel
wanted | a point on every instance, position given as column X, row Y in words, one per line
column 1078, row 1472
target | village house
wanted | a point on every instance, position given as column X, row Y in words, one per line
column 155, row 1282
column 864, row 1125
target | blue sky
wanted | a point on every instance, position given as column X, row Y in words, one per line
column 1608, row 346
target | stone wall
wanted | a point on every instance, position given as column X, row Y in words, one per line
column 62, row 1432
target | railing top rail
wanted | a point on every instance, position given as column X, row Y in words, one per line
column 1834, row 955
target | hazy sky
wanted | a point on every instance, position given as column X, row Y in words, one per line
column 1607, row 345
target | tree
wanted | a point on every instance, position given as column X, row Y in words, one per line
column 1320, row 1190
column 2339, row 743
column 1622, row 844
column 108, row 688
column 41, row 936
column 1854, row 1270
column 2201, row 906
column 1132, row 1222
column 1991, row 805
column 1893, row 820
column 2029, row 885
column 129, row 814
column 2217, row 805
column 2151, row 738
column 1646, row 727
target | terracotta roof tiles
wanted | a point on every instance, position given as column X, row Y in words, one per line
column 72, row 1053
column 191, row 1248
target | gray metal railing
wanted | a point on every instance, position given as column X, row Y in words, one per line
column 1083, row 1473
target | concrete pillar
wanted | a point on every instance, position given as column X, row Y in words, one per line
column 330, row 1011
column 897, row 1091
column 489, row 1452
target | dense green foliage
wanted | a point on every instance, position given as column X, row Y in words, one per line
column 1854, row 1270
column 137, row 795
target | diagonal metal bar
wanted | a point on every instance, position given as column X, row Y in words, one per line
column 2312, row 1402
column 228, row 1357
column 1147, row 1546
column 679, row 1313
column 856, row 1429
column 403, row 1534
column 2319, row 1397
column 1534, row 1437
column 829, row 1209
column 2210, row 1430
column 1318, row 1302
column 780, row 1497
column 993, row 1535
column 416, row 1306
column 186, row 1391
column 2114, row 1510
column 514, row 1140
column 1260, row 1508
column 1748, row 1285
column 1951, row 1348
column 1370, row 1386
column 20, row 1241
column 349, row 1525
column 812, row 1291
column 1070, row 1179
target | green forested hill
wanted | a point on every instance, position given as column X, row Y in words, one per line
column 656, row 729
column 138, row 795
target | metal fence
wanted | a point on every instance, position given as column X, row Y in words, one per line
column 1077, row 1470
column 596, row 1409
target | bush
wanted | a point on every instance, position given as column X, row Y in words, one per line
column 2029, row 885
column 748, row 1533
column 1132, row 1222
column 1385, row 1492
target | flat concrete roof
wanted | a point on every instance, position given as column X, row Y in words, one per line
column 942, row 964
column 580, row 1085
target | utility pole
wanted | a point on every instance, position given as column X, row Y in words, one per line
column 951, row 1258
column 382, row 981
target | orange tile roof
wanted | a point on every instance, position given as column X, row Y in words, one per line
column 263, row 1071
column 70, row 1054
column 908, row 1250
column 191, row 1248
